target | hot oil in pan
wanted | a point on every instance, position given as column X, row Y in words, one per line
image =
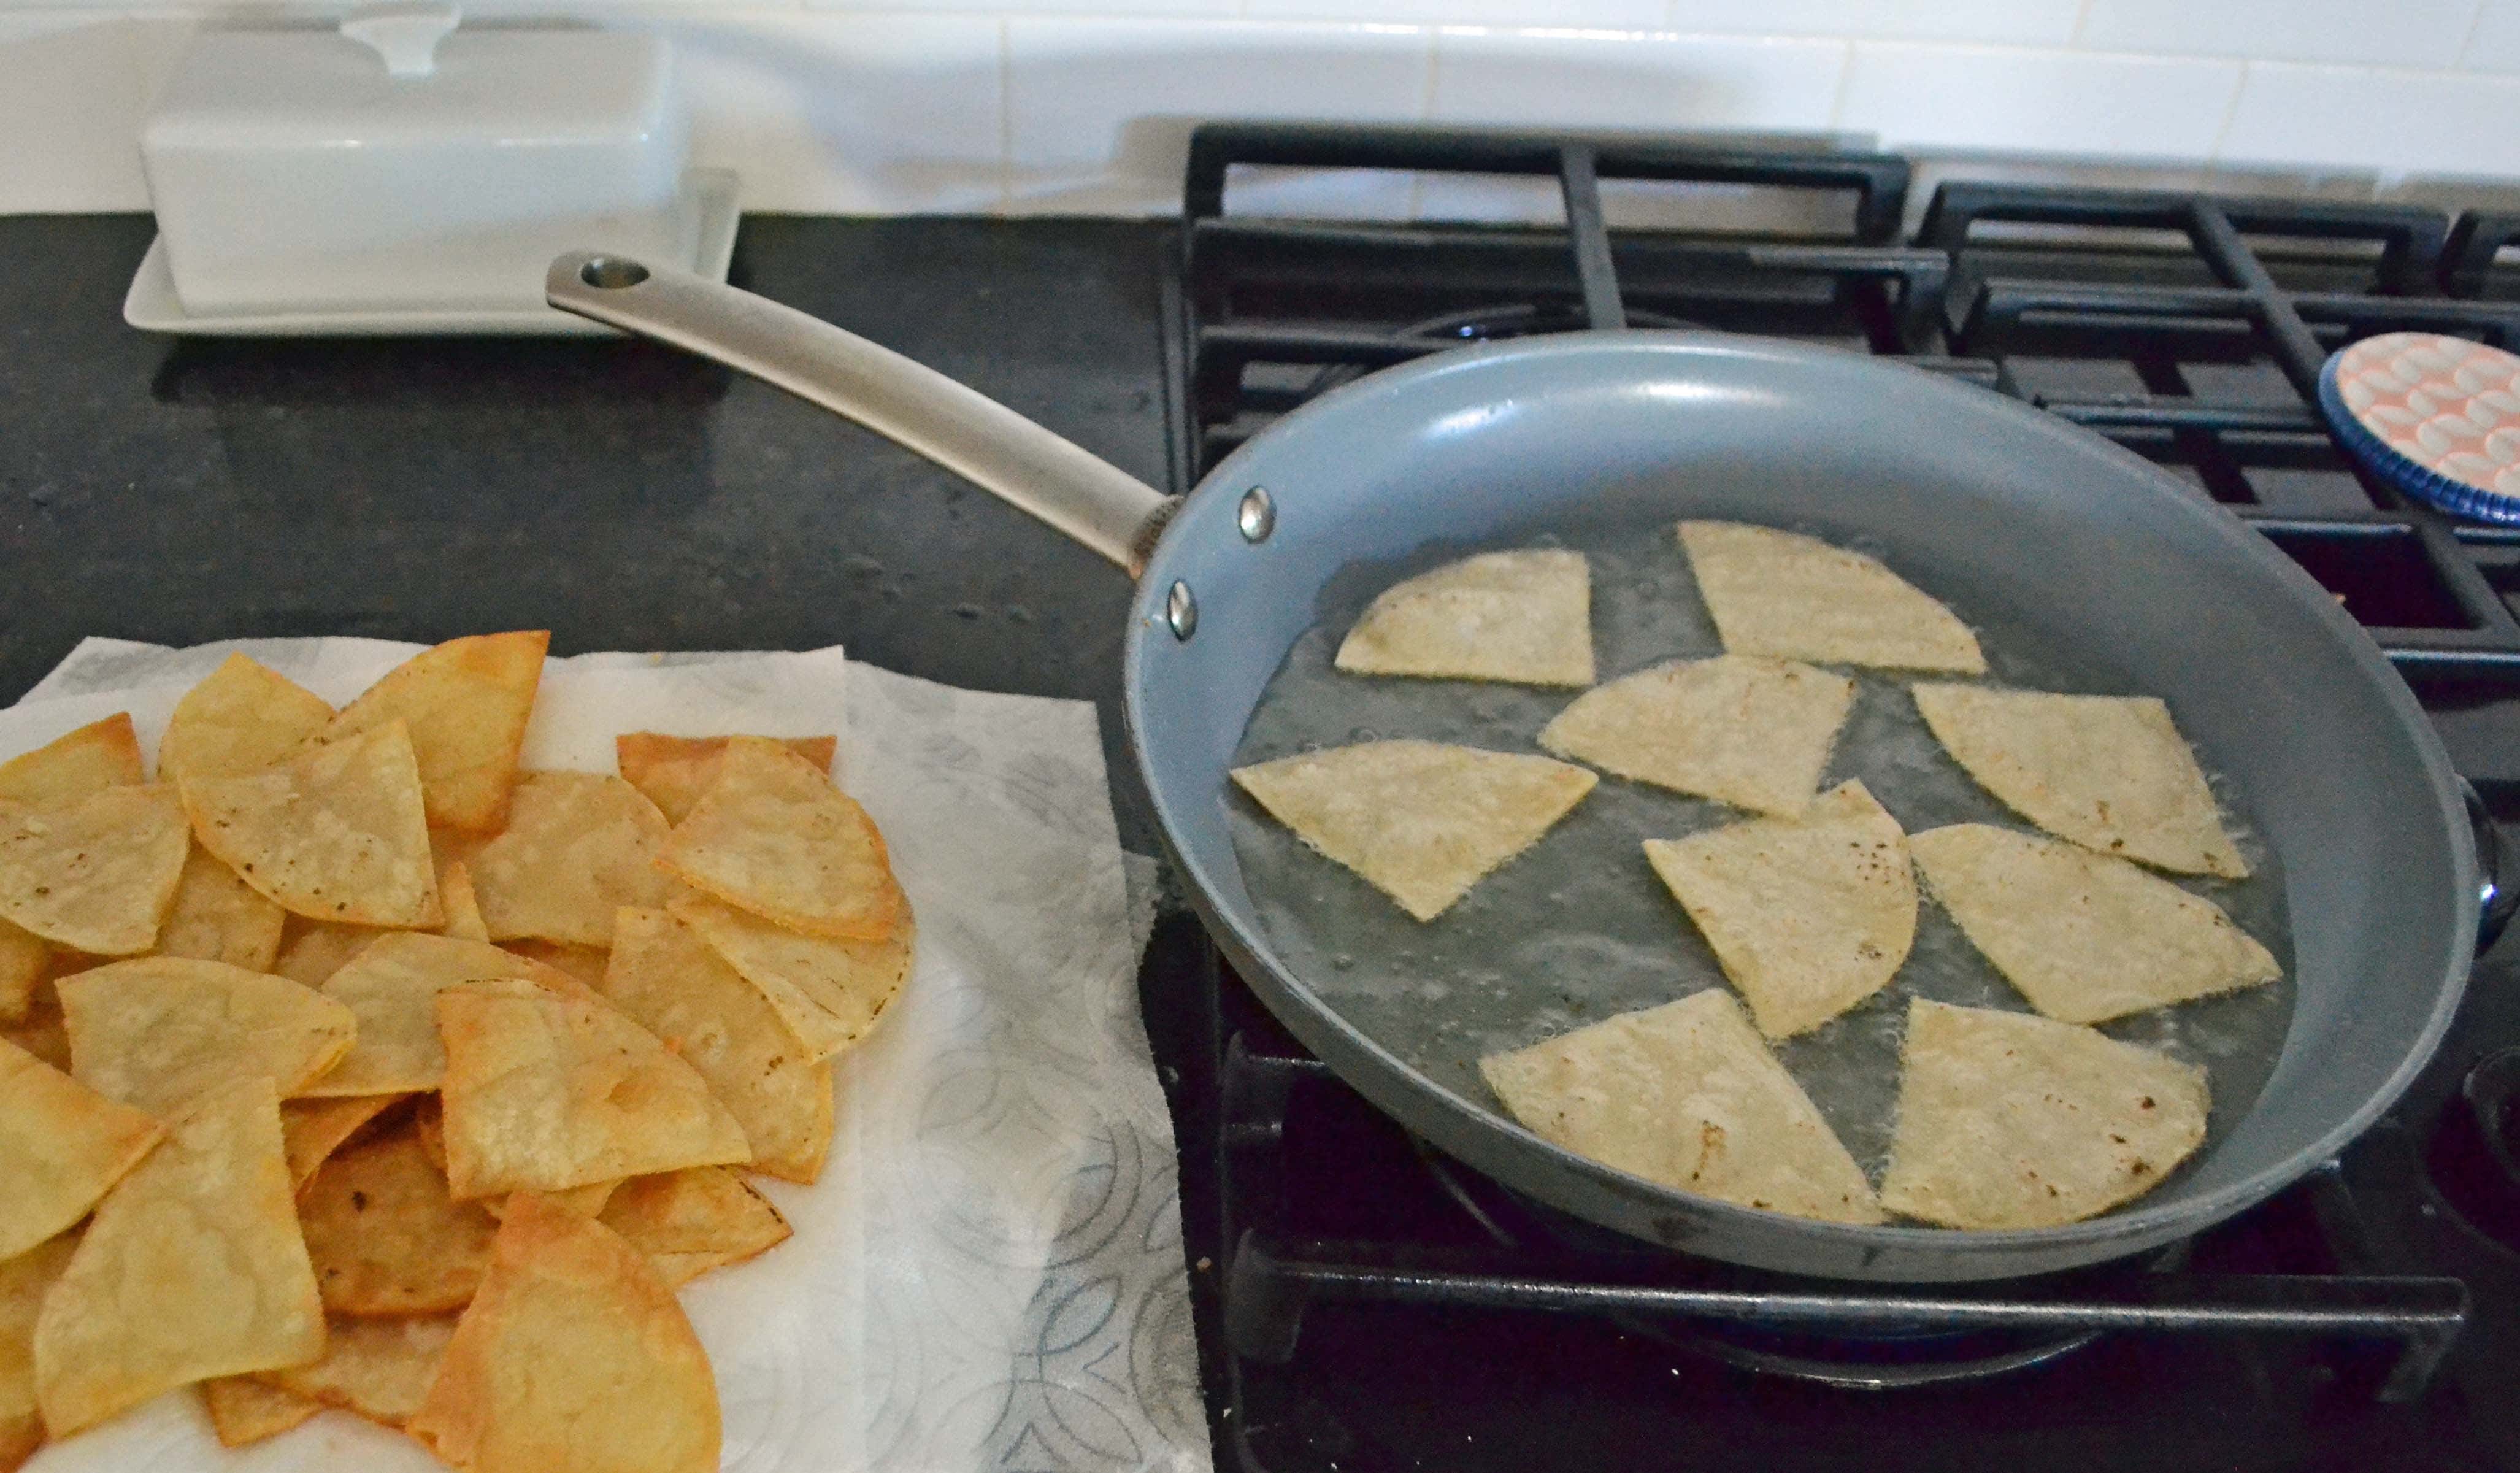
column 1578, row 928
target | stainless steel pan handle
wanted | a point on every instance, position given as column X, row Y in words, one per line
column 969, row 433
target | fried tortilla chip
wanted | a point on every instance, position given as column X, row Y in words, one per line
column 24, row 958
column 2085, row 937
column 674, row 770
column 466, row 702
column 829, row 992
column 1421, row 820
column 549, row 1087
column 691, row 1221
column 1808, row 915
column 41, row 1032
column 385, row 1236
column 671, row 984
column 586, row 963
column 382, row 1369
column 192, row 1269
column 242, row 718
column 311, row 1130
column 391, row 988
column 335, row 834
column 244, row 1410
column 573, row 1356
column 62, row 1146
column 1685, row 1095
column 1799, row 599
column 101, row 755
column 97, row 874
column 2008, row 1120
column 429, row 1127
column 1752, row 731
column 312, row 950
column 24, row 1278
column 462, row 904
column 158, row 1032
column 1522, row 616
column 578, row 846
column 2109, row 771
column 218, row 918
column 586, row 1201
column 776, row 838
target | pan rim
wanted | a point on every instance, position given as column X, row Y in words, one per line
column 2123, row 1231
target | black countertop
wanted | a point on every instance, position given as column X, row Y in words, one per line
column 624, row 496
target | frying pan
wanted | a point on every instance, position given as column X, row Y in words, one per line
column 2012, row 510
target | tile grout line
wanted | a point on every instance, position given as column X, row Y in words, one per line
column 2230, row 115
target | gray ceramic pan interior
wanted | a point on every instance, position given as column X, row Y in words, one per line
column 2015, row 513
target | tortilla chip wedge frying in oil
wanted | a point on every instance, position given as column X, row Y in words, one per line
column 674, row 770
column 1522, row 616
column 1808, row 915
column 1421, row 820
column 156, row 1032
column 1686, row 1095
column 2085, row 937
column 578, row 847
column 549, row 1087
column 336, row 834
column 61, row 1147
column 1801, row 599
column 243, row 717
column 218, row 918
column 24, row 1278
column 244, row 1411
column 2109, row 771
column 99, row 755
column 1749, row 731
column 2009, row 1120
column 829, row 992
column 391, row 988
column 93, row 874
column 573, row 1355
column 192, row 1269
column 385, row 1236
column 466, row 702
column 673, row 985
column 775, row 838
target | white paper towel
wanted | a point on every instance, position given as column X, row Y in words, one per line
column 989, row 1273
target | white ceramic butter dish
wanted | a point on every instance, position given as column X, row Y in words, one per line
column 400, row 164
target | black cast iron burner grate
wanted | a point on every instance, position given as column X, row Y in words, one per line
column 2189, row 328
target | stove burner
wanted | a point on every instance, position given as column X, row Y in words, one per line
column 2475, row 1156
column 1869, row 1357
column 1491, row 324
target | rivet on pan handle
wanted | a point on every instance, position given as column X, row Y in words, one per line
column 969, row 433
column 2498, row 895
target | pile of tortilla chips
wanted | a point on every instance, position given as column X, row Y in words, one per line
column 348, row 1065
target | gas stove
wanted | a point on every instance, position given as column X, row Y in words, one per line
column 1367, row 1304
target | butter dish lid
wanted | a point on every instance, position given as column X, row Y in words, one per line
column 406, row 72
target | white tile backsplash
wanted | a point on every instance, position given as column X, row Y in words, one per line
column 73, row 88
column 847, row 115
column 1085, row 105
column 2400, row 33
column 2003, row 100
column 2393, row 123
column 2494, row 45
column 1600, row 79
column 1099, row 112
column 2024, row 23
